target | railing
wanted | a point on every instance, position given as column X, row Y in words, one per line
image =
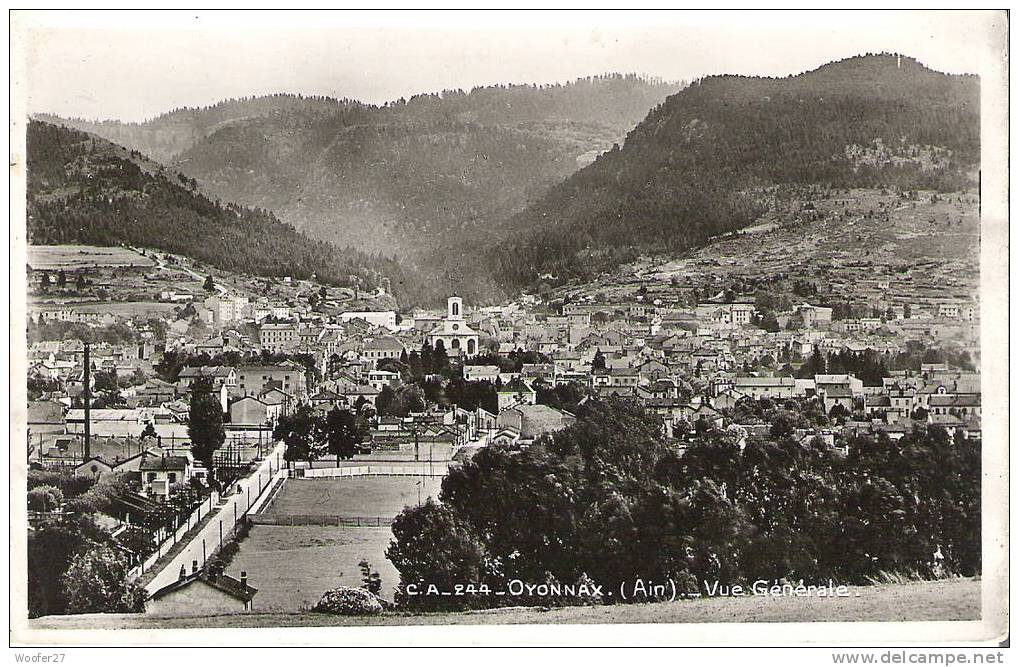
column 204, row 509
column 319, row 520
column 212, row 535
column 411, row 470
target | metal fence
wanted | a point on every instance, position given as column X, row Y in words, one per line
column 319, row 520
column 411, row 470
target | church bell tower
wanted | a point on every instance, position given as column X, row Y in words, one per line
column 454, row 308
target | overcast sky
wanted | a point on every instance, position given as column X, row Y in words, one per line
column 132, row 66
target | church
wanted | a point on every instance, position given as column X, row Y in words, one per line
column 456, row 336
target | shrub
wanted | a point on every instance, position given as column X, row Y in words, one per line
column 371, row 581
column 96, row 582
column 70, row 485
column 346, row 601
column 45, row 499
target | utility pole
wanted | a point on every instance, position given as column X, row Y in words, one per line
column 87, row 394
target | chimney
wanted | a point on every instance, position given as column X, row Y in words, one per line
column 194, row 567
column 244, row 580
column 183, row 572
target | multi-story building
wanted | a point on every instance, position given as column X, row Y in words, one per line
column 279, row 337
column 288, row 377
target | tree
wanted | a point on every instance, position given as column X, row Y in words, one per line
column 599, row 361
column 62, row 279
column 440, row 359
column 50, row 550
column 210, row 284
column 149, row 431
column 769, row 323
column 205, row 421
column 432, row 545
column 343, row 431
column 79, row 282
column 300, row 431
column 45, row 498
column 384, row 401
column 97, row 582
column 371, row 580
column 45, row 282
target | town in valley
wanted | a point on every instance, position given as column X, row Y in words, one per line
column 299, row 360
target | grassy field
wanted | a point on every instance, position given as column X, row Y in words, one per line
column 353, row 496
column 125, row 308
column 83, row 256
column 948, row 600
column 292, row 566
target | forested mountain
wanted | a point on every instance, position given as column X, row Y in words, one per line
column 83, row 189
column 709, row 159
column 166, row 135
column 401, row 178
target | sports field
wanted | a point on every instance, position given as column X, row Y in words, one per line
column 376, row 496
column 292, row 566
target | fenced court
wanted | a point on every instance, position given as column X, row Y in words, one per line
column 292, row 566
column 313, row 532
column 376, row 497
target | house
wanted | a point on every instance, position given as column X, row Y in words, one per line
column 288, row 376
column 160, row 474
column 103, row 463
column 694, row 413
column 155, row 392
column 544, row 372
column 327, row 399
column 515, row 393
column 202, row 593
column 766, row 387
column 249, row 411
column 380, row 379
column 276, row 396
column 224, row 380
column 93, row 467
column 837, row 395
column 383, row 347
column 945, row 408
column 279, row 337
column 812, row 316
column 727, row 399
column 477, row 373
column 533, row 421
column 625, row 378
column 354, row 392
column 726, row 313
column 505, row 437
column 382, row 318
column 877, row 407
column 220, row 375
column 849, row 382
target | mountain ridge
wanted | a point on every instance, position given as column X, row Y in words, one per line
column 409, row 173
column 84, row 189
column 707, row 161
